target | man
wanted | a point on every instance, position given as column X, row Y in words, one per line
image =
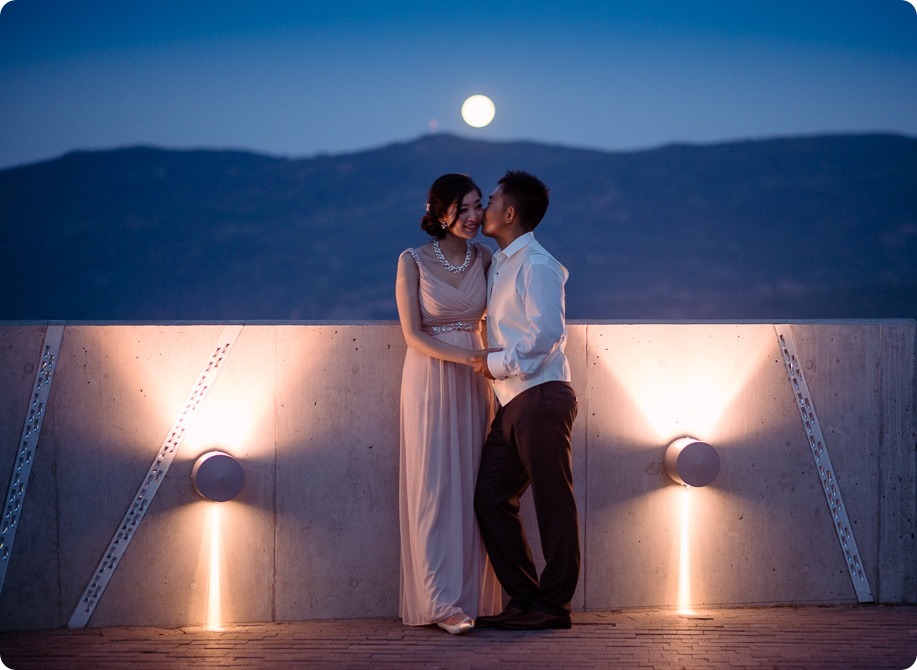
column 530, row 438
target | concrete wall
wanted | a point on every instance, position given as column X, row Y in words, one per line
column 312, row 413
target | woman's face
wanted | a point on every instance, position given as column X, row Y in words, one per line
column 470, row 214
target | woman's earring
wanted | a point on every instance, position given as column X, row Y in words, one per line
column 444, row 225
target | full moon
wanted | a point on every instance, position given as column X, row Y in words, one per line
column 478, row 111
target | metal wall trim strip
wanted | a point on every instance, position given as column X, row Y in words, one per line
column 826, row 472
column 28, row 443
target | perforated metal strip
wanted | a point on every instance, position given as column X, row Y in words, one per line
column 823, row 463
column 154, row 476
column 28, row 443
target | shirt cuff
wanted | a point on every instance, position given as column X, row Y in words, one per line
column 495, row 365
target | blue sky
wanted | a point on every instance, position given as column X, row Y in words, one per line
column 295, row 79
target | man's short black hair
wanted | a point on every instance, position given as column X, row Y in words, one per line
column 528, row 194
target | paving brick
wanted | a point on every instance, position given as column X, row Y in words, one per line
column 781, row 637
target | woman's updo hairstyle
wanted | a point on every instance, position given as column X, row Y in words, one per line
column 448, row 190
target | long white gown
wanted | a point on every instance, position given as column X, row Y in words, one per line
column 446, row 410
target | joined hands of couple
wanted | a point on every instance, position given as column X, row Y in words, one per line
column 478, row 362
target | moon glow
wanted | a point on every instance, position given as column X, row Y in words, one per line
column 478, row 111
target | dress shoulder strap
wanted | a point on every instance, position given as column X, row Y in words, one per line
column 416, row 256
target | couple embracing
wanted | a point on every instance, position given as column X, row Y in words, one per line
column 466, row 459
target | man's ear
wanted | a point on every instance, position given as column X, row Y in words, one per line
column 509, row 214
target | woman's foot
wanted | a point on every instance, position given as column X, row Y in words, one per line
column 456, row 624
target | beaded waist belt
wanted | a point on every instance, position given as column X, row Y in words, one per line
column 449, row 327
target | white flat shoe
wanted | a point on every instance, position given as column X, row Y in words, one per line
column 462, row 626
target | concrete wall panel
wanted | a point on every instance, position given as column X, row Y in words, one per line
column 337, row 485
column 311, row 411
column 120, row 391
column 724, row 384
column 896, row 514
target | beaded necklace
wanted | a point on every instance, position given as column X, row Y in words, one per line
column 456, row 269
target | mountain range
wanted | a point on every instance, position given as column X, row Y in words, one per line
column 784, row 228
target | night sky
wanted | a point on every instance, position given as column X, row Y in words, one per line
column 292, row 79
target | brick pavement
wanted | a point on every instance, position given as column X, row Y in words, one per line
column 773, row 637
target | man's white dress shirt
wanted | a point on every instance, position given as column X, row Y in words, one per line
column 525, row 318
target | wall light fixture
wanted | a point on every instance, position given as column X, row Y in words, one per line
column 217, row 476
column 691, row 462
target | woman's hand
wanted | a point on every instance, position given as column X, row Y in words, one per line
column 478, row 361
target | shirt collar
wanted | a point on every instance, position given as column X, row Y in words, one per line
column 519, row 243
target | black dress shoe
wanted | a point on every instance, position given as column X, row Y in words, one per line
column 496, row 620
column 535, row 620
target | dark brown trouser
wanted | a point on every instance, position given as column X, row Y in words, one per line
column 529, row 445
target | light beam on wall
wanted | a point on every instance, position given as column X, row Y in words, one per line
column 692, row 464
column 684, row 604
column 218, row 477
column 683, row 379
column 214, row 582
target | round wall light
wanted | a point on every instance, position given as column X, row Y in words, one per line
column 691, row 462
column 217, row 476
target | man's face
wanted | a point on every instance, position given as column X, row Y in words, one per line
column 494, row 212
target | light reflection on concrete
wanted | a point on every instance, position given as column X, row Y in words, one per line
column 684, row 378
column 685, row 512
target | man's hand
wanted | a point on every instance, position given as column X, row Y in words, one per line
column 479, row 365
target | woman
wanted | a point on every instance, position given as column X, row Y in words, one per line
column 446, row 407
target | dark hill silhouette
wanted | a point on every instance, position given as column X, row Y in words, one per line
column 812, row 227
